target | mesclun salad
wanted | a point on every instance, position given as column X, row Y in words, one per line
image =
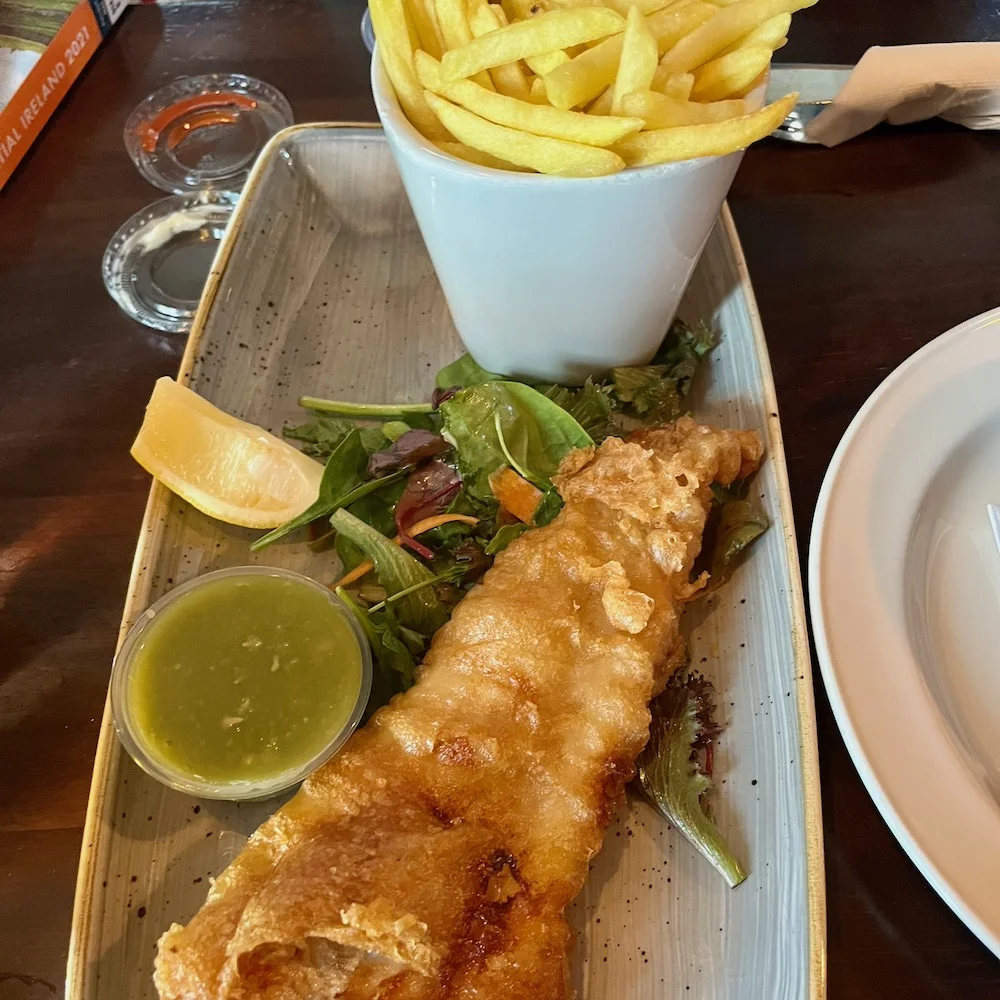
column 419, row 498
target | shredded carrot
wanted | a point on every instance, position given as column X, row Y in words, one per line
column 515, row 494
column 417, row 529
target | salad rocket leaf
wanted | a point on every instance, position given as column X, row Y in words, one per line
column 537, row 433
column 674, row 778
column 655, row 393
column 592, row 405
column 683, row 348
column 321, row 435
column 397, row 570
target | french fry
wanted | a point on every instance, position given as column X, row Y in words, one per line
column 392, row 29
column 679, row 86
column 389, row 22
column 510, row 11
column 546, row 62
column 659, row 111
column 771, row 33
column 547, row 156
column 687, row 142
column 453, row 21
column 572, row 126
column 730, row 74
column 583, row 88
column 583, row 78
column 643, row 6
column 757, row 81
column 538, row 92
column 410, row 96
column 671, row 24
column 523, row 9
column 622, row 6
column 638, row 62
column 602, row 106
column 423, row 16
column 508, row 79
column 540, row 65
column 548, row 31
column 477, row 156
column 725, row 27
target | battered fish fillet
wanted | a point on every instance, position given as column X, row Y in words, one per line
column 435, row 855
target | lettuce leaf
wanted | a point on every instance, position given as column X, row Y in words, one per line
column 740, row 524
column 394, row 649
column 397, row 570
column 672, row 775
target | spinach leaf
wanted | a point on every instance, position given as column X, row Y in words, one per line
column 343, row 473
column 504, row 537
column 537, row 433
column 448, row 536
column 550, row 505
column 464, row 372
column 397, row 570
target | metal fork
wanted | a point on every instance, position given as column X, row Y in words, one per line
column 817, row 85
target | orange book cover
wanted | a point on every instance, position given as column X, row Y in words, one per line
column 44, row 44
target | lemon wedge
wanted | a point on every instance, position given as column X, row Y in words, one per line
column 229, row 469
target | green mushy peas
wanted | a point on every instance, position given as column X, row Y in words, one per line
column 244, row 678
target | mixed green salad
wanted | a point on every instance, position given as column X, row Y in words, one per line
column 418, row 499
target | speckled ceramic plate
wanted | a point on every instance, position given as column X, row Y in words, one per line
column 323, row 286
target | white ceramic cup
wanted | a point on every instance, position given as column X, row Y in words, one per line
column 556, row 278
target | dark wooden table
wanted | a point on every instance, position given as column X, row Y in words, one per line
column 859, row 256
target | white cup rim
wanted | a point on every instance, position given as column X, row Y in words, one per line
column 395, row 122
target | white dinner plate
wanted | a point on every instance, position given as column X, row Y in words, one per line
column 905, row 598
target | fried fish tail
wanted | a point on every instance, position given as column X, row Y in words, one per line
column 435, row 855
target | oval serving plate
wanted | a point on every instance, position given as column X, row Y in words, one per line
column 905, row 598
column 323, row 285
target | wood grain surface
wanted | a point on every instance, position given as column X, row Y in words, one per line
column 859, row 255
